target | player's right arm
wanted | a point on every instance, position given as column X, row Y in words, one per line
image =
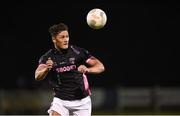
column 43, row 69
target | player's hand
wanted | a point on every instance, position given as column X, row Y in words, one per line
column 83, row 69
column 49, row 63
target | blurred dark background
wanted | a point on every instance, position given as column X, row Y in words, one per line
column 139, row 45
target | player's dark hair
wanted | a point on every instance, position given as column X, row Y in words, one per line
column 57, row 28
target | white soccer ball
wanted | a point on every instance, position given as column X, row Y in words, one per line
column 96, row 18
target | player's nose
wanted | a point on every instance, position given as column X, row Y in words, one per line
column 66, row 39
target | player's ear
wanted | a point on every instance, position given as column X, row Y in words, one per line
column 53, row 39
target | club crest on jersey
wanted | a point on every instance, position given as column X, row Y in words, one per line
column 72, row 60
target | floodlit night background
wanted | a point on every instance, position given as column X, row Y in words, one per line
column 139, row 47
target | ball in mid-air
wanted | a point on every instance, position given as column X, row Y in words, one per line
column 96, row 18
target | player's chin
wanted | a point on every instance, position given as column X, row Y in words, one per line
column 65, row 47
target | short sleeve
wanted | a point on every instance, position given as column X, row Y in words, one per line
column 43, row 59
column 86, row 55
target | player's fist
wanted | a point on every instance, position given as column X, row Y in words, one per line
column 83, row 69
column 49, row 63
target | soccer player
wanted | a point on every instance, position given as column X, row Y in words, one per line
column 68, row 66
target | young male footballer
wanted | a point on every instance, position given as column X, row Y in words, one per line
column 67, row 66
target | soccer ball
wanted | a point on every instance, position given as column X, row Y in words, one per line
column 96, row 18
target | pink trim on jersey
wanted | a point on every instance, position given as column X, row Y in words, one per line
column 86, row 84
column 42, row 65
column 89, row 59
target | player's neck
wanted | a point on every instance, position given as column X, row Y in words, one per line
column 61, row 50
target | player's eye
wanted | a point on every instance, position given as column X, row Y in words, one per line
column 61, row 36
column 64, row 36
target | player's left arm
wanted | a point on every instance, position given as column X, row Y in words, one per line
column 95, row 66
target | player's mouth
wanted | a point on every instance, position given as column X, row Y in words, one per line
column 65, row 44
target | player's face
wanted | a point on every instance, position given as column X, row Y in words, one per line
column 61, row 40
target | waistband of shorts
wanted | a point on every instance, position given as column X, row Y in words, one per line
column 83, row 99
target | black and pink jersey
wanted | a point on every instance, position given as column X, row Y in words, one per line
column 67, row 82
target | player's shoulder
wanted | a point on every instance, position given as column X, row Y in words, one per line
column 47, row 53
column 75, row 47
column 44, row 56
column 79, row 50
